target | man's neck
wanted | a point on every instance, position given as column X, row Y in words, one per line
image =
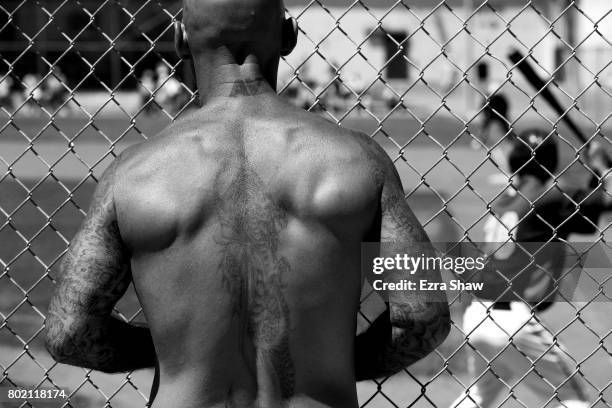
column 221, row 77
column 238, row 87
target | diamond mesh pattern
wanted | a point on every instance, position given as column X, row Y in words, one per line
column 403, row 71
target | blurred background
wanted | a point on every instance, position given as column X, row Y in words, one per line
column 81, row 80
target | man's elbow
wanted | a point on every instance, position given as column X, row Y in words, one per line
column 436, row 327
column 428, row 329
column 418, row 338
column 58, row 341
column 59, row 349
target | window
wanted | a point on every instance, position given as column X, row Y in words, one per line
column 396, row 50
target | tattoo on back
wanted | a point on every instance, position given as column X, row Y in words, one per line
column 253, row 273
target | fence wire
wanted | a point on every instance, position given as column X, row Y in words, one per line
column 81, row 80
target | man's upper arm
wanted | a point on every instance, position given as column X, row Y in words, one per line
column 400, row 231
column 95, row 271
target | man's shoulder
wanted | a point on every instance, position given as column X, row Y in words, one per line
column 353, row 141
column 138, row 153
column 343, row 148
column 163, row 144
column 147, row 161
column 315, row 131
column 311, row 137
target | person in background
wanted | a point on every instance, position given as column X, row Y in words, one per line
column 33, row 93
column 495, row 132
column 526, row 271
column 6, row 90
column 168, row 89
column 56, row 93
column 146, row 88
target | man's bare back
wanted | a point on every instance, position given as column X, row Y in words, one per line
column 241, row 227
column 259, row 213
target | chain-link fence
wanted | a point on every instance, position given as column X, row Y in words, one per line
column 81, row 80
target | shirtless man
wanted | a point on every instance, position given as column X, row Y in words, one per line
column 240, row 226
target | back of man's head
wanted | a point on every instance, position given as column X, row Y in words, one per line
column 243, row 27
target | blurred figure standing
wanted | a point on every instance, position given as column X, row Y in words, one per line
column 494, row 132
column 162, row 73
column 357, row 84
column 146, row 89
column 529, row 267
column 6, row 87
column 33, row 93
column 308, row 90
column 168, row 89
column 55, row 92
column 332, row 98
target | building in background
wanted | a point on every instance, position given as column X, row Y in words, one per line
column 115, row 42
column 418, row 39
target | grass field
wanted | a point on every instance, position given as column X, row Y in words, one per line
column 41, row 224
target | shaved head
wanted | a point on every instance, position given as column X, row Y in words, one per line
column 244, row 26
column 234, row 40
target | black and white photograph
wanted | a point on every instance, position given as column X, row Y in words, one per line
column 306, row 203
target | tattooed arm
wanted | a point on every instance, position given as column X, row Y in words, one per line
column 415, row 322
column 80, row 329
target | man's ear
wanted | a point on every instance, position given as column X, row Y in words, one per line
column 181, row 45
column 289, row 36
